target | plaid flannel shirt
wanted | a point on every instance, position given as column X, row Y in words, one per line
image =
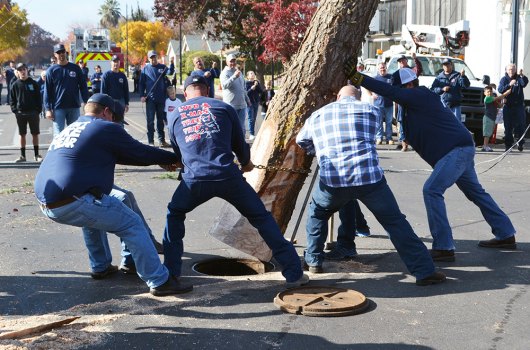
column 342, row 135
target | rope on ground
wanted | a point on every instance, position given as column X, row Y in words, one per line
column 498, row 159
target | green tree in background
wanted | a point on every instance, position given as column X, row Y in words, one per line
column 110, row 14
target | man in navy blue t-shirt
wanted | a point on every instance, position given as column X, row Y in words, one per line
column 153, row 85
column 76, row 177
column 445, row 143
column 65, row 84
column 205, row 135
column 115, row 84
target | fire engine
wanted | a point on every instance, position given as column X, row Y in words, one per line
column 94, row 47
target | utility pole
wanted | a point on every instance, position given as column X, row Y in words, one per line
column 180, row 50
column 515, row 29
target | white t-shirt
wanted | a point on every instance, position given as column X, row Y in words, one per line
column 171, row 105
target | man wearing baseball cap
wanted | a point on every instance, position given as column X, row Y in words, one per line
column 445, row 143
column 234, row 91
column 153, row 85
column 207, row 137
column 26, row 103
column 74, row 182
column 65, row 83
column 403, row 62
column 449, row 84
column 115, row 84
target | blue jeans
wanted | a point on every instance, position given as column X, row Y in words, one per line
column 351, row 217
column 242, row 196
column 127, row 198
column 152, row 108
column 380, row 200
column 62, row 118
column 399, row 118
column 386, row 117
column 241, row 115
column 252, row 115
column 514, row 124
column 111, row 215
column 457, row 111
column 458, row 167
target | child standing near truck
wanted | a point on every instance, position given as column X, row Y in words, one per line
column 491, row 104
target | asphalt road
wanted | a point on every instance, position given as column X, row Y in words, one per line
column 44, row 273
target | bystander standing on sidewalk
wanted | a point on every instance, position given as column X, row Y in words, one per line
column 26, row 103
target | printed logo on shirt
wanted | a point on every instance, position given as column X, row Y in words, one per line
column 69, row 136
column 170, row 109
column 30, row 87
column 160, row 70
column 120, row 80
column 72, row 74
column 197, row 122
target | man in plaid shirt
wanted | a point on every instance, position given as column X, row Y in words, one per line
column 341, row 135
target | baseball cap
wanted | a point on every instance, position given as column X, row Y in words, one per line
column 406, row 75
column 119, row 113
column 194, row 79
column 230, row 57
column 446, row 61
column 402, row 57
column 20, row 66
column 58, row 47
column 104, row 100
column 115, row 58
column 151, row 53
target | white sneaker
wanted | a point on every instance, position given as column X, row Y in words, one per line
column 20, row 159
column 377, row 142
column 38, row 158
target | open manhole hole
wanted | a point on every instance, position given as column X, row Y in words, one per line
column 232, row 267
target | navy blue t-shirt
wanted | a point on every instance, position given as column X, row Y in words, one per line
column 153, row 82
column 429, row 126
column 116, row 85
column 63, row 85
column 206, row 133
column 85, row 154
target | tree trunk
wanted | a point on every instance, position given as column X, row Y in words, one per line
column 315, row 75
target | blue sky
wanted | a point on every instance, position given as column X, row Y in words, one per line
column 59, row 16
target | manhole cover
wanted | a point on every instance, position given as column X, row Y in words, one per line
column 232, row 267
column 321, row 301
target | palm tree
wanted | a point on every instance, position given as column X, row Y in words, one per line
column 110, row 13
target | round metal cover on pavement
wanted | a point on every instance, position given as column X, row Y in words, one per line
column 321, row 301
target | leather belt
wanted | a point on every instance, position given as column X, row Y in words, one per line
column 59, row 204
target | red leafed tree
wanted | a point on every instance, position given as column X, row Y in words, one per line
column 285, row 28
column 253, row 25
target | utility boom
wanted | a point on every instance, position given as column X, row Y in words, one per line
column 430, row 39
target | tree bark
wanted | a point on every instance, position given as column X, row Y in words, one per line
column 314, row 77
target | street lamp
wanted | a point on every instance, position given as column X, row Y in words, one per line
column 127, row 39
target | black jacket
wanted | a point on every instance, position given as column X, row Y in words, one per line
column 25, row 97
